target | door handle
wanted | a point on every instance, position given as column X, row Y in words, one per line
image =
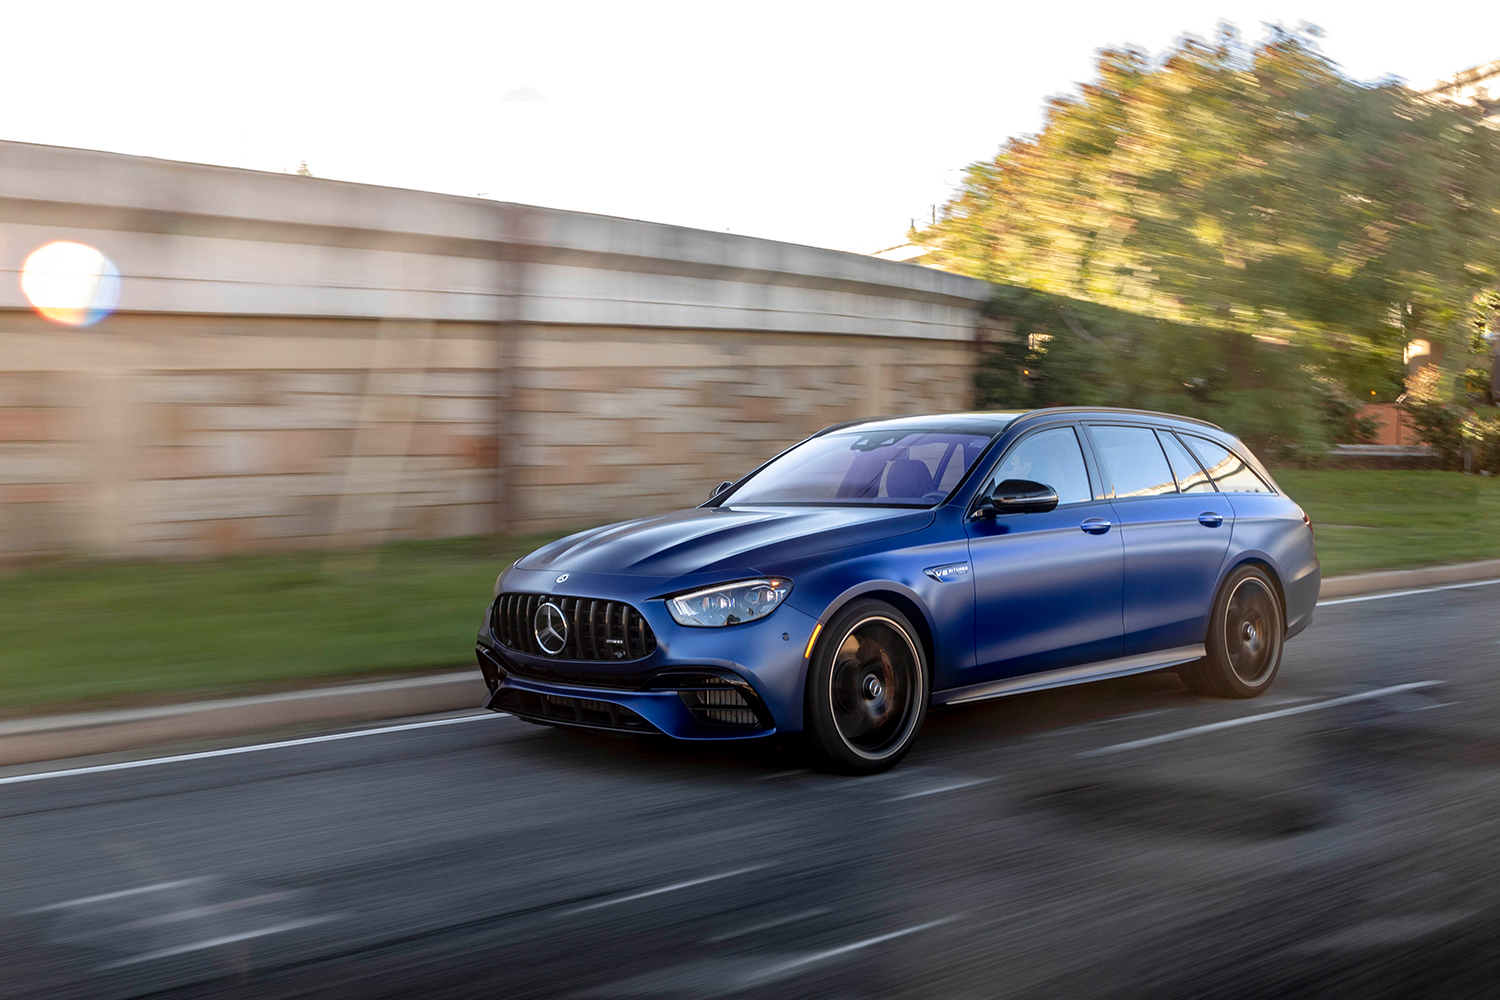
column 1095, row 525
column 1210, row 520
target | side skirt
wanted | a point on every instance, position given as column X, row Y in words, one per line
column 1103, row 670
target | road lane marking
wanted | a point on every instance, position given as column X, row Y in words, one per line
column 125, row 765
column 782, row 968
column 1182, row 734
column 666, row 888
column 767, row 925
column 951, row 786
column 105, row 897
column 209, row 910
column 183, row 949
column 1406, row 593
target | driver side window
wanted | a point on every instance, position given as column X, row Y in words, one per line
column 1052, row 457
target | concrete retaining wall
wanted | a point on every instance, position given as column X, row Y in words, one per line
column 298, row 362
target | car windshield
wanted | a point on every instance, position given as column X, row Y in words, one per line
column 902, row 467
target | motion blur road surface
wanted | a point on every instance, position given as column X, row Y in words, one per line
column 1069, row 843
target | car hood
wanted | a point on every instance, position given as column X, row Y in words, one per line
column 710, row 539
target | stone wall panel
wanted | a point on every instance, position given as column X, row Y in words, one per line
column 306, row 363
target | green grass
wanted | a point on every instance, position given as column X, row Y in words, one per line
column 1370, row 520
column 120, row 632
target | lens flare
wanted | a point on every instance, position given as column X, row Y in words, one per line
column 71, row 283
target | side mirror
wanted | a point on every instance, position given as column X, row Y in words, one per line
column 719, row 489
column 1018, row 496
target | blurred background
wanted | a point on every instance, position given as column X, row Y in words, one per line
column 313, row 317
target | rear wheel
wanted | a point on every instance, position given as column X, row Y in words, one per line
column 1245, row 636
column 866, row 690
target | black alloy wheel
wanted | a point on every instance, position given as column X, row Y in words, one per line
column 1245, row 636
column 867, row 690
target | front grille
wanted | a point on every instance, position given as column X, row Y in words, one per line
column 597, row 630
column 570, row 711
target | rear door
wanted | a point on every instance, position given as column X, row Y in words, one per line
column 1175, row 528
column 1047, row 586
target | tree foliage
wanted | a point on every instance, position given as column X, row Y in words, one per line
column 1059, row 351
column 1245, row 190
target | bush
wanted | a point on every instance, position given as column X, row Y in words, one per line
column 1067, row 352
column 1341, row 415
column 1481, row 435
column 1440, row 425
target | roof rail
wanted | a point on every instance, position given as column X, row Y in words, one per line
column 1123, row 411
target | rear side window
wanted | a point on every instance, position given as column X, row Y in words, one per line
column 1052, row 458
column 1190, row 475
column 1135, row 461
column 1230, row 472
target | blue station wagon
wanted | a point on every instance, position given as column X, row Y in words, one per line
column 884, row 566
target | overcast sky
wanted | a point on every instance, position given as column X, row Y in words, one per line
column 824, row 123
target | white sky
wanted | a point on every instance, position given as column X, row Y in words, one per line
column 824, row 123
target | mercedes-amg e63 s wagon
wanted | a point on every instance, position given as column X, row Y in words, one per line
column 887, row 565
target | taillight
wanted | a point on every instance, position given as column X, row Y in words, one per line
column 1306, row 520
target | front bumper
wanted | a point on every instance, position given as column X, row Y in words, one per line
column 762, row 660
column 653, row 711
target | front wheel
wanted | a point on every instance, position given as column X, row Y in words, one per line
column 1245, row 635
column 866, row 690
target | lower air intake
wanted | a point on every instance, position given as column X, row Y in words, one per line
column 569, row 711
column 719, row 701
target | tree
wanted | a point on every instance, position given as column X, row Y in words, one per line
column 1247, row 190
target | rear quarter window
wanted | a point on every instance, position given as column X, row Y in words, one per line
column 1230, row 472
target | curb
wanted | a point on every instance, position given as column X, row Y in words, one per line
column 81, row 734
column 1403, row 579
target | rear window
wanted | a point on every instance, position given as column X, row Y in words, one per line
column 1230, row 472
column 1134, row 460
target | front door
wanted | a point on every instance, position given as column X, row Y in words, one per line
column 1048, row 586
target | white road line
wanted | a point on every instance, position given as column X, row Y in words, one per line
column 125, row 765
column 952, row 786
column 210, row 910
column 666, row 888
column 782, row 968
column 1406, row 593
column 1246, row 720
column 183, row 949
column 105, row 897
column 767, row 925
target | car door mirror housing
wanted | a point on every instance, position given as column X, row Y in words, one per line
column 719, row 489
column 1018, row 496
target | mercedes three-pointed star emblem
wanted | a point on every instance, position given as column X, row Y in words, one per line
column 551, row 628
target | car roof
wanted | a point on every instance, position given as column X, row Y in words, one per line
column 994, row 421
column 973, row 422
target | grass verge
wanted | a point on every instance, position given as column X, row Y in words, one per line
column 1376, row 519
column 118, row 632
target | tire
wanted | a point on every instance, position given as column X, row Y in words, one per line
column 1246, row 633
column 867, row 690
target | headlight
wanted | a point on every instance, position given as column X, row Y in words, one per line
column 729, row 604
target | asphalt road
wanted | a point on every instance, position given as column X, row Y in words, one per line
column 1101, row 841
